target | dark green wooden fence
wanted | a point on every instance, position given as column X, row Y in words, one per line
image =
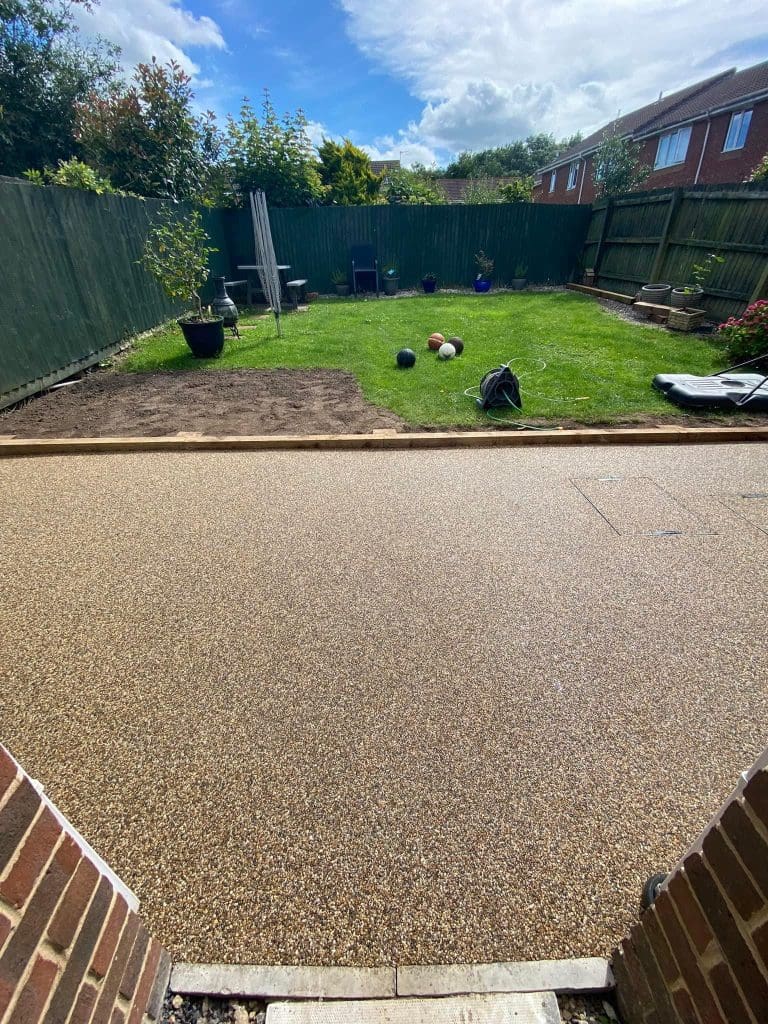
column 545, row 239
column 658, row 236
column 71, row 290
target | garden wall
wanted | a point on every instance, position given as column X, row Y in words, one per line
column 72, row 947
column 658, row 236
column 443, row 239
column 72, row 289
column 700, row 952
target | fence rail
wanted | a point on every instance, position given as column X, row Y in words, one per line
column 659, row 237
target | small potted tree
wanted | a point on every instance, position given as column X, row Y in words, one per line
column 690, row 295
column 176, row 253
column 484, row 263
column 390, row 277
column 429, row 283
column 340, row 282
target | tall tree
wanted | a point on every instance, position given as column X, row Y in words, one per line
column 272, row 154
column 617, row 168
column 45, row 70
column 146, row 138
column 346, row 172
column 518, row 159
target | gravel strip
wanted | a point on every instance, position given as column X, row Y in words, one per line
column 376, row 708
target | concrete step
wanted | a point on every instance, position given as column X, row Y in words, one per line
column 515, row 1008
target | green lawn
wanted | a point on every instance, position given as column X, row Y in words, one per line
column 598, row 368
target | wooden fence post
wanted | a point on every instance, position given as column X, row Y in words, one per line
column 658, row 261
column 760, row 287
column 603, row 235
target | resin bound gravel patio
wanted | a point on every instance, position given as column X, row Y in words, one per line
column 364, row 708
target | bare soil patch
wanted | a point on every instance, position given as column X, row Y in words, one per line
column 220, row 402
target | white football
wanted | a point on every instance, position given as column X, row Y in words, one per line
column 446, row 351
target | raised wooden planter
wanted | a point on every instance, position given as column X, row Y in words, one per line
column 686, row 319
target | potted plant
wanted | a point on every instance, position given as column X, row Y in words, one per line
column 485, row 266
column 390, row 277
column 429, row 283
column 339, row 281
column 519, row 281
column 690, row 294
column 657, row 293
column 176, row 253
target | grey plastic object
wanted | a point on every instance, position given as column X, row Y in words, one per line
column 729, row 391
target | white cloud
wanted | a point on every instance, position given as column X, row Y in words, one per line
column 153, row 28
column 490, row 75
column 402, row 148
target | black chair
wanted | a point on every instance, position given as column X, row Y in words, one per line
column 364, row 261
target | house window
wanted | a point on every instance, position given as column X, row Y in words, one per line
column 672, row 148
column 552, row 180
column 573, row 174
column 599, row 171
column 737, row 130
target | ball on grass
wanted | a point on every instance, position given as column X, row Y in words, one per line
column 406, row 358
column 435, row 341
column 446, row 351
column 458, row 344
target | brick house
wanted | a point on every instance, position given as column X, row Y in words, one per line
column 710, row 132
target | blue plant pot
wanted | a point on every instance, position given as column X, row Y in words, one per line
column 482, row 286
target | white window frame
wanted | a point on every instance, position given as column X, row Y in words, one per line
column 672, row 148
column 573, row 176
column 738, row 129
column 552, row 180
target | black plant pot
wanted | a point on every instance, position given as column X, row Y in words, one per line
column 204, row 337
column 519, row 283
column 428, row 286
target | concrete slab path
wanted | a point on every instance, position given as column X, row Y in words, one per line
column 386, row 707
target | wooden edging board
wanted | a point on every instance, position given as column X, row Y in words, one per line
column 601, row 293
column 391, row 440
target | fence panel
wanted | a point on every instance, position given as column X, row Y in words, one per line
column 660, row 236
column 546, row 239
column 73, row 288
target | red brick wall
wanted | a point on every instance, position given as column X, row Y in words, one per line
column 717, row 167
column 70, row 947
column 700, row 953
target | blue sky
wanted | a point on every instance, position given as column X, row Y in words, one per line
column 422, row 81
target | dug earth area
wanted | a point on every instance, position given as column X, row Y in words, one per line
column 386, row 707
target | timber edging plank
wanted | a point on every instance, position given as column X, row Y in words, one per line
column 602, row 293
column 667, row 434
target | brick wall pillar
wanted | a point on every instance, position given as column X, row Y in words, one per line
column 73, row 949
column 700, row 952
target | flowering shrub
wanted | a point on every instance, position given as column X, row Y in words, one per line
column 746, row 337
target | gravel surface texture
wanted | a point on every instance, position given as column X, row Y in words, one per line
column 365, row 708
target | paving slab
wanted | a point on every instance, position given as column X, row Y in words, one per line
column 283, row 982
column 584, row 974
column 540, row 1008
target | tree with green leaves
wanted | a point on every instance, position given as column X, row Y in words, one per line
column 177, row 254
column 760, row 173
column 73, row 173
column 411, row 187
column 519, row 190
column 517, row 159
column 273, row 154
column 145, row 137
column 346, row 172
column 45, row 70
column 617, row 167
